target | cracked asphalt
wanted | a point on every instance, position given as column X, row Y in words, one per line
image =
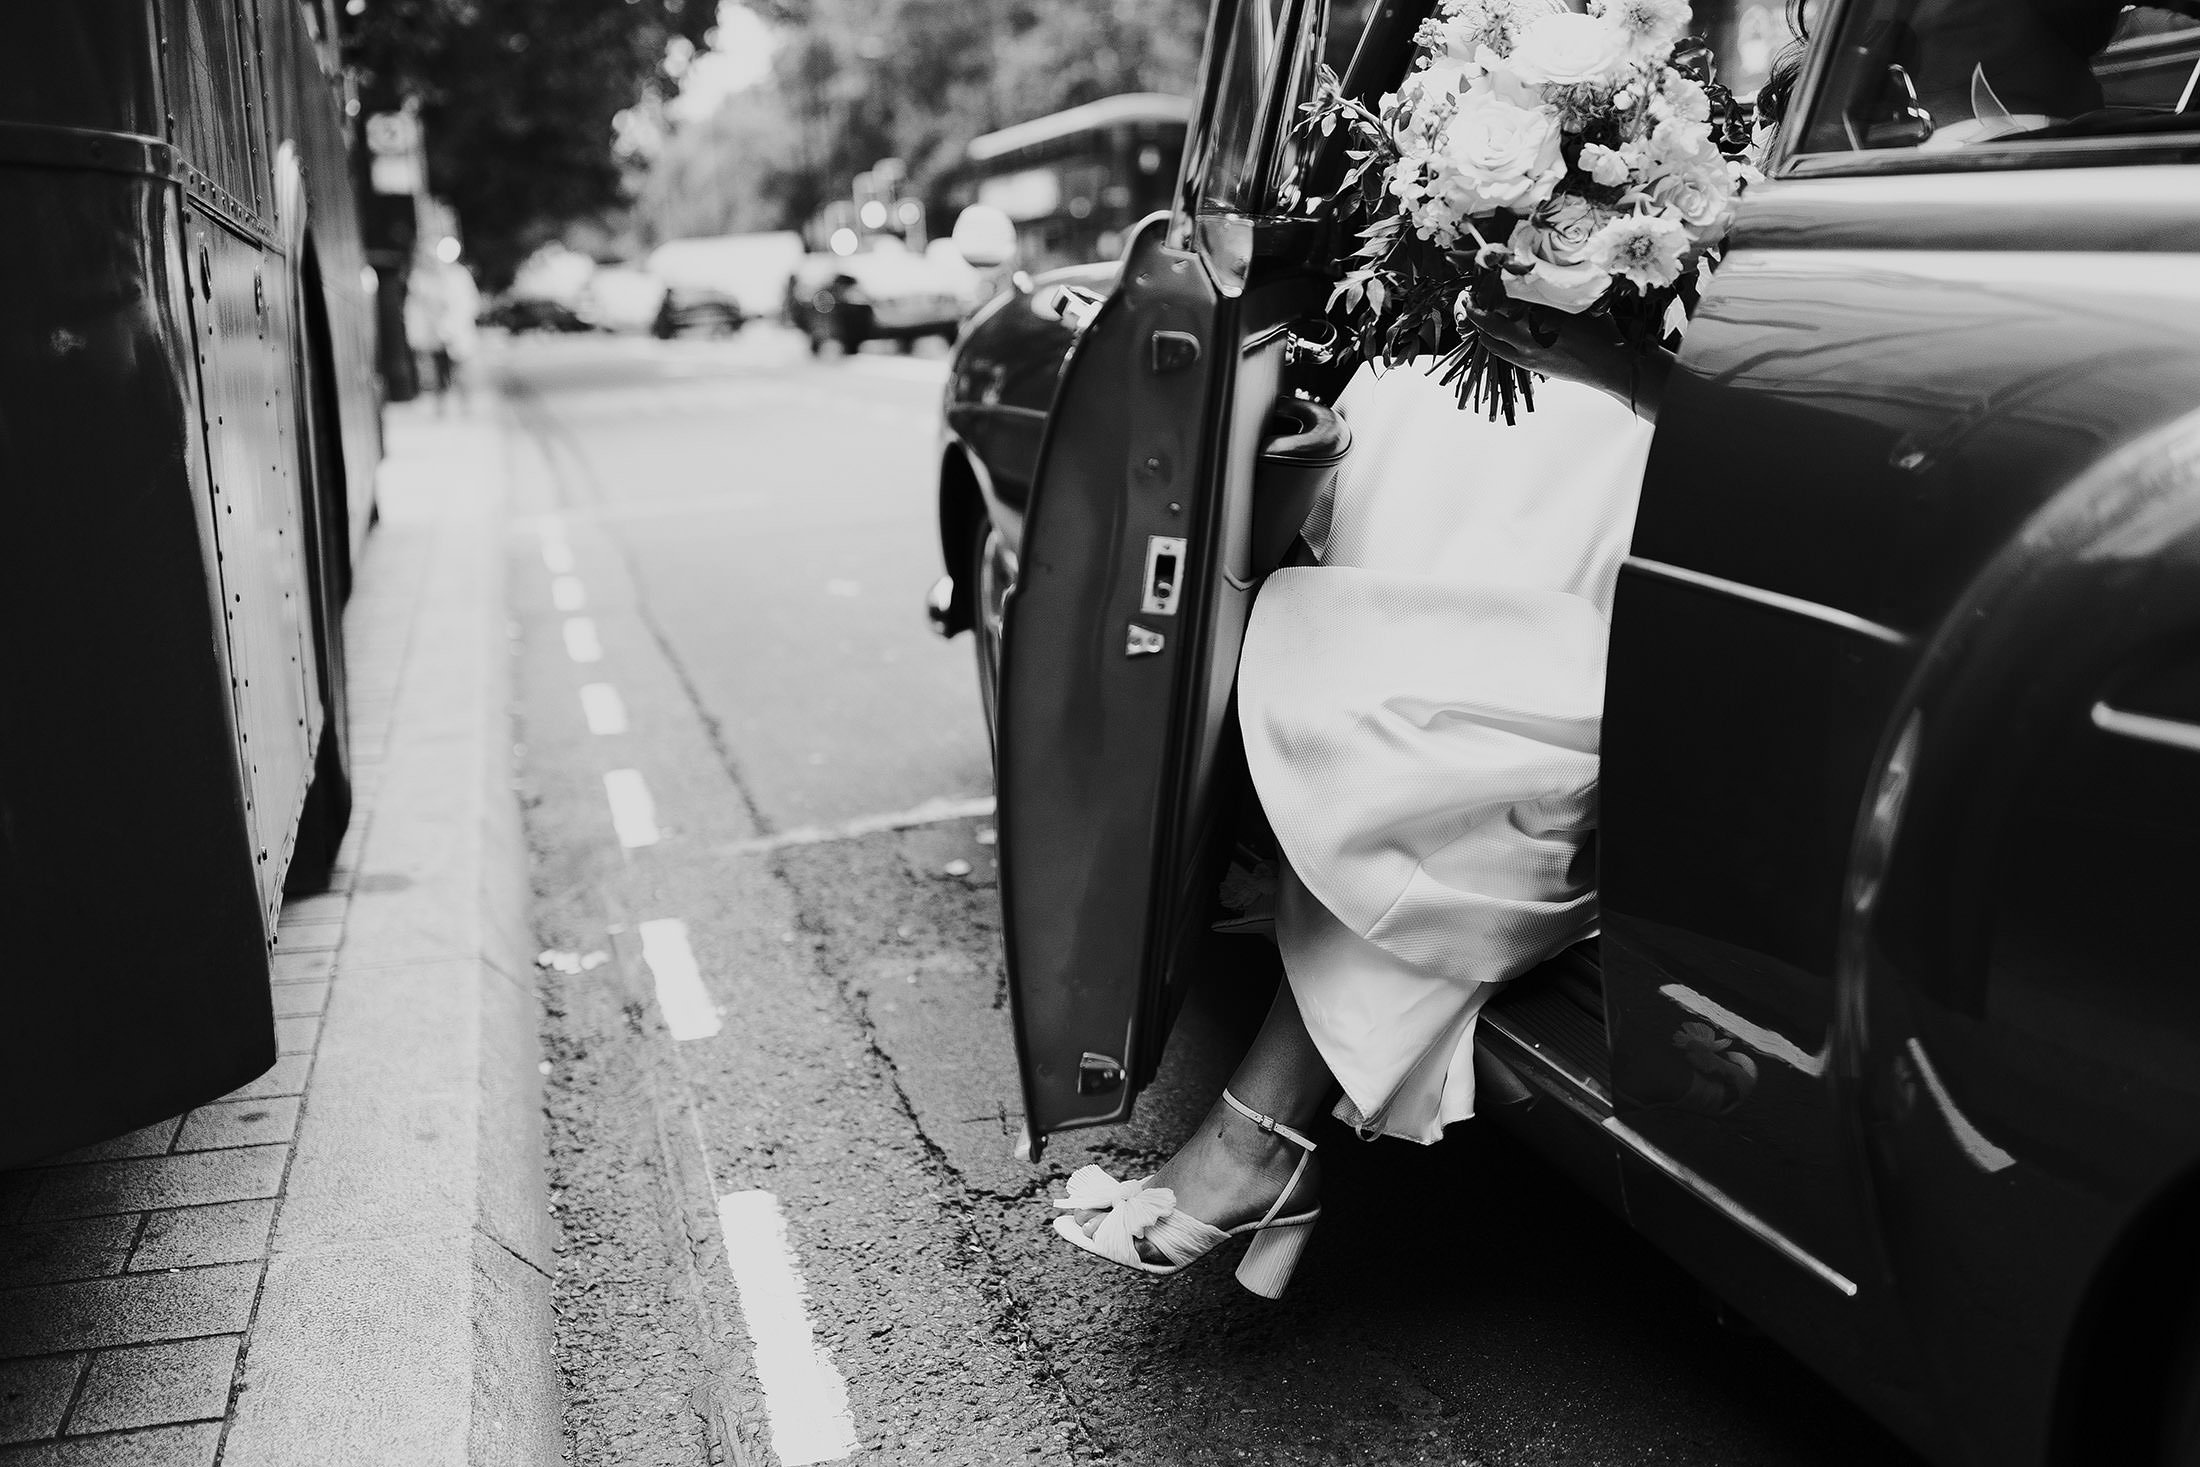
column 751, row 534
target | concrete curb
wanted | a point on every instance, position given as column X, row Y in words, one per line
column 406, row 1312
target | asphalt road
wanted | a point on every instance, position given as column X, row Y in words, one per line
column 748, row 535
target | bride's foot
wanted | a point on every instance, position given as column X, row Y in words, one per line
column 1233, row 1170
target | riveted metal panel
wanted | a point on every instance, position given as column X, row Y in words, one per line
column 242, row 334
column 216, row 96
column 135, row 978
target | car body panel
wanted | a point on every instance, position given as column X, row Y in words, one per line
column 1003, row 380
column 1775, row 633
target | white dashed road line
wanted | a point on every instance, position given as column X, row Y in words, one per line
column 633, row 812
column 556, row 554
column 803, row 1392
column 604, row 709
column 681, row 997
column 581, row 642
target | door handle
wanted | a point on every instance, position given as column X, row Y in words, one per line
column 1072, row 305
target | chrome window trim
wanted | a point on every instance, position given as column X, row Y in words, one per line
column 1705, row 1191
column 2170, row 733
column 1793, row 605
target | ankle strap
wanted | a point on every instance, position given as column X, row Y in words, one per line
column 1267, row 1123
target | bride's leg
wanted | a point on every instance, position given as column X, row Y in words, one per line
column 1230, row 1171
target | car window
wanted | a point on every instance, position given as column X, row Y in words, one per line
column 1941, row 76
column 1245, row 151
column 1228, row 178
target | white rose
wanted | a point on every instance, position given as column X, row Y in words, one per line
column 1603, row 164
column 1563, row 228
column 1572, row 288
column 1702, row 201
column 1568, row 50
column 1499, row 156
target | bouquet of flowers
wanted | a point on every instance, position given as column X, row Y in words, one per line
column 1535, row 159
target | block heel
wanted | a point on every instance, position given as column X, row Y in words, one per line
column 1268, row 1265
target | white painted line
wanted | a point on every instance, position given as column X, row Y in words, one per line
column 567, row 593
column 604, row 708
column 931, row 812
column 633, row 812
column 581, row 643
column 681, row 997
column 803, row 1393
column 556, row 554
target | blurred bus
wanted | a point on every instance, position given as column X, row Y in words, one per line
column 1076, row 181
column 188, row 438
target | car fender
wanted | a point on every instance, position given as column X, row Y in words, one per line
column 1989, row 1038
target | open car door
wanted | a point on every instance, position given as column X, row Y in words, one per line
column 1136, row 576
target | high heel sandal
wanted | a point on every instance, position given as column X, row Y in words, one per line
column 1136, row 1210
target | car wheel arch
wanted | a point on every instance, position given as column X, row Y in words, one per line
column 1915, row 949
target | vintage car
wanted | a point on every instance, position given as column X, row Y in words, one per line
column 1892, row 1036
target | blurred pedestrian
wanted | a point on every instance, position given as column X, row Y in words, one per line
column 440, row 312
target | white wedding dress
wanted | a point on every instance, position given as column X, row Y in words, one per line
column 1421, row 715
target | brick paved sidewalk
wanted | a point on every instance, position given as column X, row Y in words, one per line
column 135, row 1276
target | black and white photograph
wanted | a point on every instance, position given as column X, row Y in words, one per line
column 1100, row 733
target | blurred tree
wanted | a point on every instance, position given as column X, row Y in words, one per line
column 519, row 99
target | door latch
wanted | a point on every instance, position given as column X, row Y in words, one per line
column 1143, row 642
column 1164, row 572
column 1098, row 1074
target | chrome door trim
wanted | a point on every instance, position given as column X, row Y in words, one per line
column 1586, row 1098
column 1707, row 1192
column 2148, row 729
column 1793, row 605
column 1599, row 1099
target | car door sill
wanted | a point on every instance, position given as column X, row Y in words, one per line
column 1535, row 1063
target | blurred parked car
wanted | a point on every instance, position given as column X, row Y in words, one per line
column 526, row 313
column 1892, row 1036
column 887, row 292
column 717, row 284
column 621, row 297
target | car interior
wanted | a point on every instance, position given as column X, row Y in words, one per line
column 1931, row 75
